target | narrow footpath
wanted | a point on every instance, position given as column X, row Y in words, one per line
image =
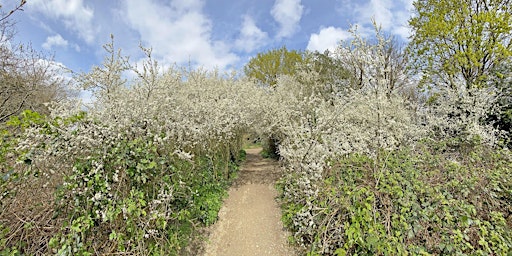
column 250, row 219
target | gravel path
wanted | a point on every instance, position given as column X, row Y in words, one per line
column 249, row 221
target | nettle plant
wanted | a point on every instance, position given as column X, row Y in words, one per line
column 148, row 161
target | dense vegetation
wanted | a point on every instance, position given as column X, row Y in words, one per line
column 386, row 151
column 139, row 171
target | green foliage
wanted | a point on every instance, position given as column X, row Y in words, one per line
column 266, row 67
column 26, row 119
column 455, row 39
column 332, row 74
column 138, row 200
column 270, row 148
column 417, row 202
column 10, row 133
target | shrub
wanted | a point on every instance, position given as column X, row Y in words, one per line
column 364, row 177
column 415, row 202
column 140, row 171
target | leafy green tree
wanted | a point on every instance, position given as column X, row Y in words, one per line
column 456, row 40
column 268, row 66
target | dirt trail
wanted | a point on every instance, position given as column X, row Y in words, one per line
column 249, row 221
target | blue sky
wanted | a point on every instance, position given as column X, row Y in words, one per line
column 208, row 33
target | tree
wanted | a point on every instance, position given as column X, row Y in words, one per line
column 28, row 79
column 502, row 81
column 268, row 66
column 331, row 74
column 28, row 82
column 358, row 56
column 456, row 40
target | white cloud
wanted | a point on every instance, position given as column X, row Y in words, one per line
column 76, row 16
column 288, row 14
column 402, row 18
column 77, row 47
column 408, row 4
column 178, row 32
column 391, row 15
column 380, row 10
column 251, row 37
column 55, row 40
column 327, row 39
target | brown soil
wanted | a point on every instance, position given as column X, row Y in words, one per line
column 249, row 222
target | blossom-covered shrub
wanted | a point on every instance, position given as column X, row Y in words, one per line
column 460, row 116
column 360, row 164
column 371, row 167
column 418, row 202
column 140, row 169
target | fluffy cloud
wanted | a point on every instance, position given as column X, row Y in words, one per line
column 327, row 39
column 288, row 14
column 55, row 40
column 75, row 15
column 380, row 10
column 391, row 15
column 251, row 37
column 179, row 32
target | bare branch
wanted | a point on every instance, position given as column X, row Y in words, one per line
column 18, row 7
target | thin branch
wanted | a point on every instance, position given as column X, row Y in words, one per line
column 17, row 8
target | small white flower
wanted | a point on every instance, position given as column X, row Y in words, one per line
column 97, row 197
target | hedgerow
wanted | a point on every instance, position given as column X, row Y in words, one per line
column 417, row 202
column 372, row 165
column 370, row 172
column 139, row 171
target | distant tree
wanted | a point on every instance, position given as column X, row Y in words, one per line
column 268, row 66
column 457, row 40
column 331, row 73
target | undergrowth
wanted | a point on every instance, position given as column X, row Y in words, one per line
column 426, row 201
column 132, row 195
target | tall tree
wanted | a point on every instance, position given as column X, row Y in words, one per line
column 502, row 81
column 268, row 66
column 457, row 40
